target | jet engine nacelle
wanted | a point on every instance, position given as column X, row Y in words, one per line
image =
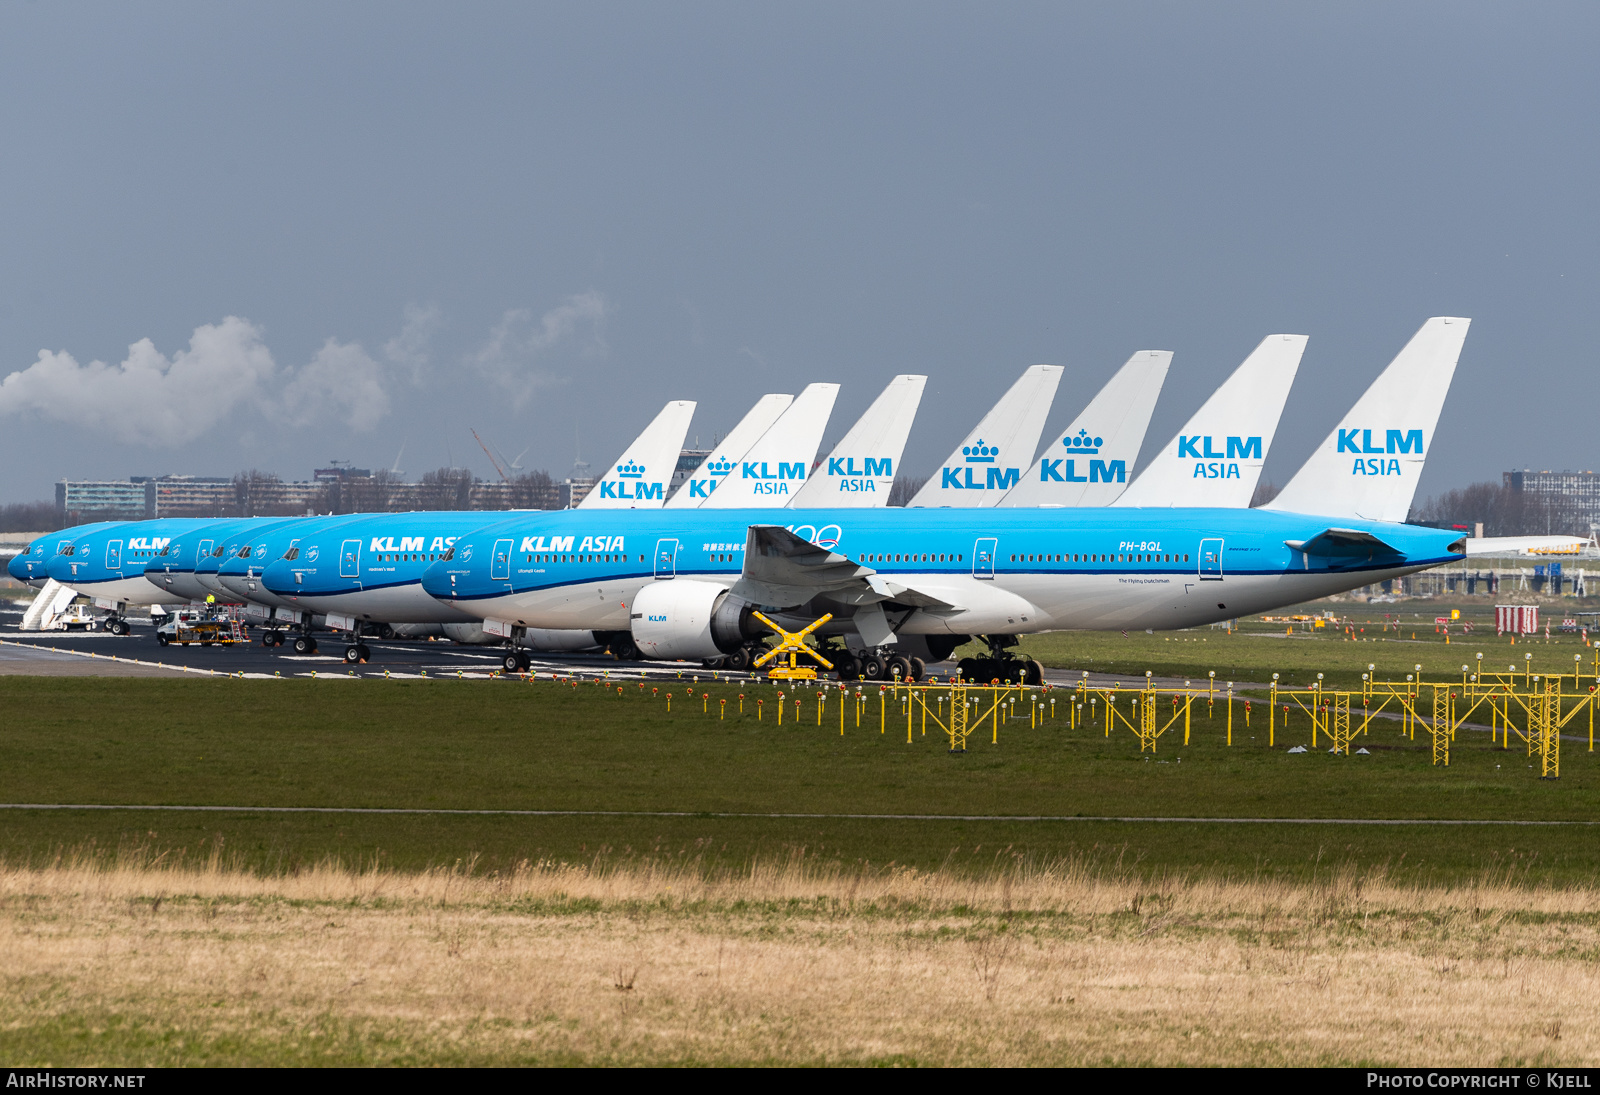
column 681, row 618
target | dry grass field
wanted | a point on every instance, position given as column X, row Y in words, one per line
column 120, row 960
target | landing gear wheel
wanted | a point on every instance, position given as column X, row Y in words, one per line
column 267, row 638
column 524, row 660
column 303, row 645
column 366, row 654
column 624, row 649
column 872, row 668
column 968, row 668
column 277, row 638
column 117, row 627
column 848, row 666
column 898, row 668
column 313, row 646
column 1032, row 672
column 512, row 662
column 919, row 669
column 352, row 654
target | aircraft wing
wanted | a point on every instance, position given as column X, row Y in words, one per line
column 782, row 570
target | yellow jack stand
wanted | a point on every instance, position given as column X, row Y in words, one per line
column 793, row 643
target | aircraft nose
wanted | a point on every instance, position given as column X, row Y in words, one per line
column 279, row 577
column 436, row 580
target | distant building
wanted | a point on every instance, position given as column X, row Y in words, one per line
column 689, row 461
column 113, row 500
column 1571, row 496
column 579, row 484
column 188, row 495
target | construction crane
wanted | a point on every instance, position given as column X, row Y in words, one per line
column 504, row 478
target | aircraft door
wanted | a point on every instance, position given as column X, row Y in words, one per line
column 666, row 558
column 114, row 555
column 500, row 562
column 983, row 553
column 1211, row 560
column 350, row 559
column 206, row 547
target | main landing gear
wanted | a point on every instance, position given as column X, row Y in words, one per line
column 516, row 661
column 1001, row 664
column 880, row 665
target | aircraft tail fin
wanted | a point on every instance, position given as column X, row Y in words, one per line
column 989, row 462
column 725, row 454
column 860, row 470
column 1369, row 465
column 1088, row 465
column 639, row 478
column 779, row 464
column 1216, row 459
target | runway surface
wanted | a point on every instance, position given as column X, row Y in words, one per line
column 68, row 653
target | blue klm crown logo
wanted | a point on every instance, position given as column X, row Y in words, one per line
column 720, row 466
column 1083, row 442
column 630, row 470
column 980, row 453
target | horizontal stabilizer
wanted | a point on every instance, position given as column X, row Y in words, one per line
column 1344, row 543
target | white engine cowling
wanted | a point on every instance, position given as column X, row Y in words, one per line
column 680, row 618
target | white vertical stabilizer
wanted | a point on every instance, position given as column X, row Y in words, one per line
column 639, row 478
column 725, row 456
column 859, row 472
column 777, row 466
column 1088, row 465
column 1369, row 465
column 50, row 602
column 989, row 462
column 1215, row 461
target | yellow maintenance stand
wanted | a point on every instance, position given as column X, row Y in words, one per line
column 792, row 643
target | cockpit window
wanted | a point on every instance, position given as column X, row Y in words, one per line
column 448, row 555
column 292, row 554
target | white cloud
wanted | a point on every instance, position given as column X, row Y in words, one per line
column 517, row 342
column 409, row 348
column 227, row 373
column 343, row 379
column 148, row 399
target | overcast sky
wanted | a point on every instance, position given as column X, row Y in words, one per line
column 273, row 235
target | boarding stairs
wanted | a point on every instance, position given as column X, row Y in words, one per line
column 47, row 606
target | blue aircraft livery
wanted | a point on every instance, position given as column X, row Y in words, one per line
column 1066, row 469
column 979, row 457
column 1218, row 462
column 1379, row 458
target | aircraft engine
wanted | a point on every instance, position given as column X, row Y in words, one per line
column 687, row 619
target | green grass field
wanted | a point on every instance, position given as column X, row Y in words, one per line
column 547, row 746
